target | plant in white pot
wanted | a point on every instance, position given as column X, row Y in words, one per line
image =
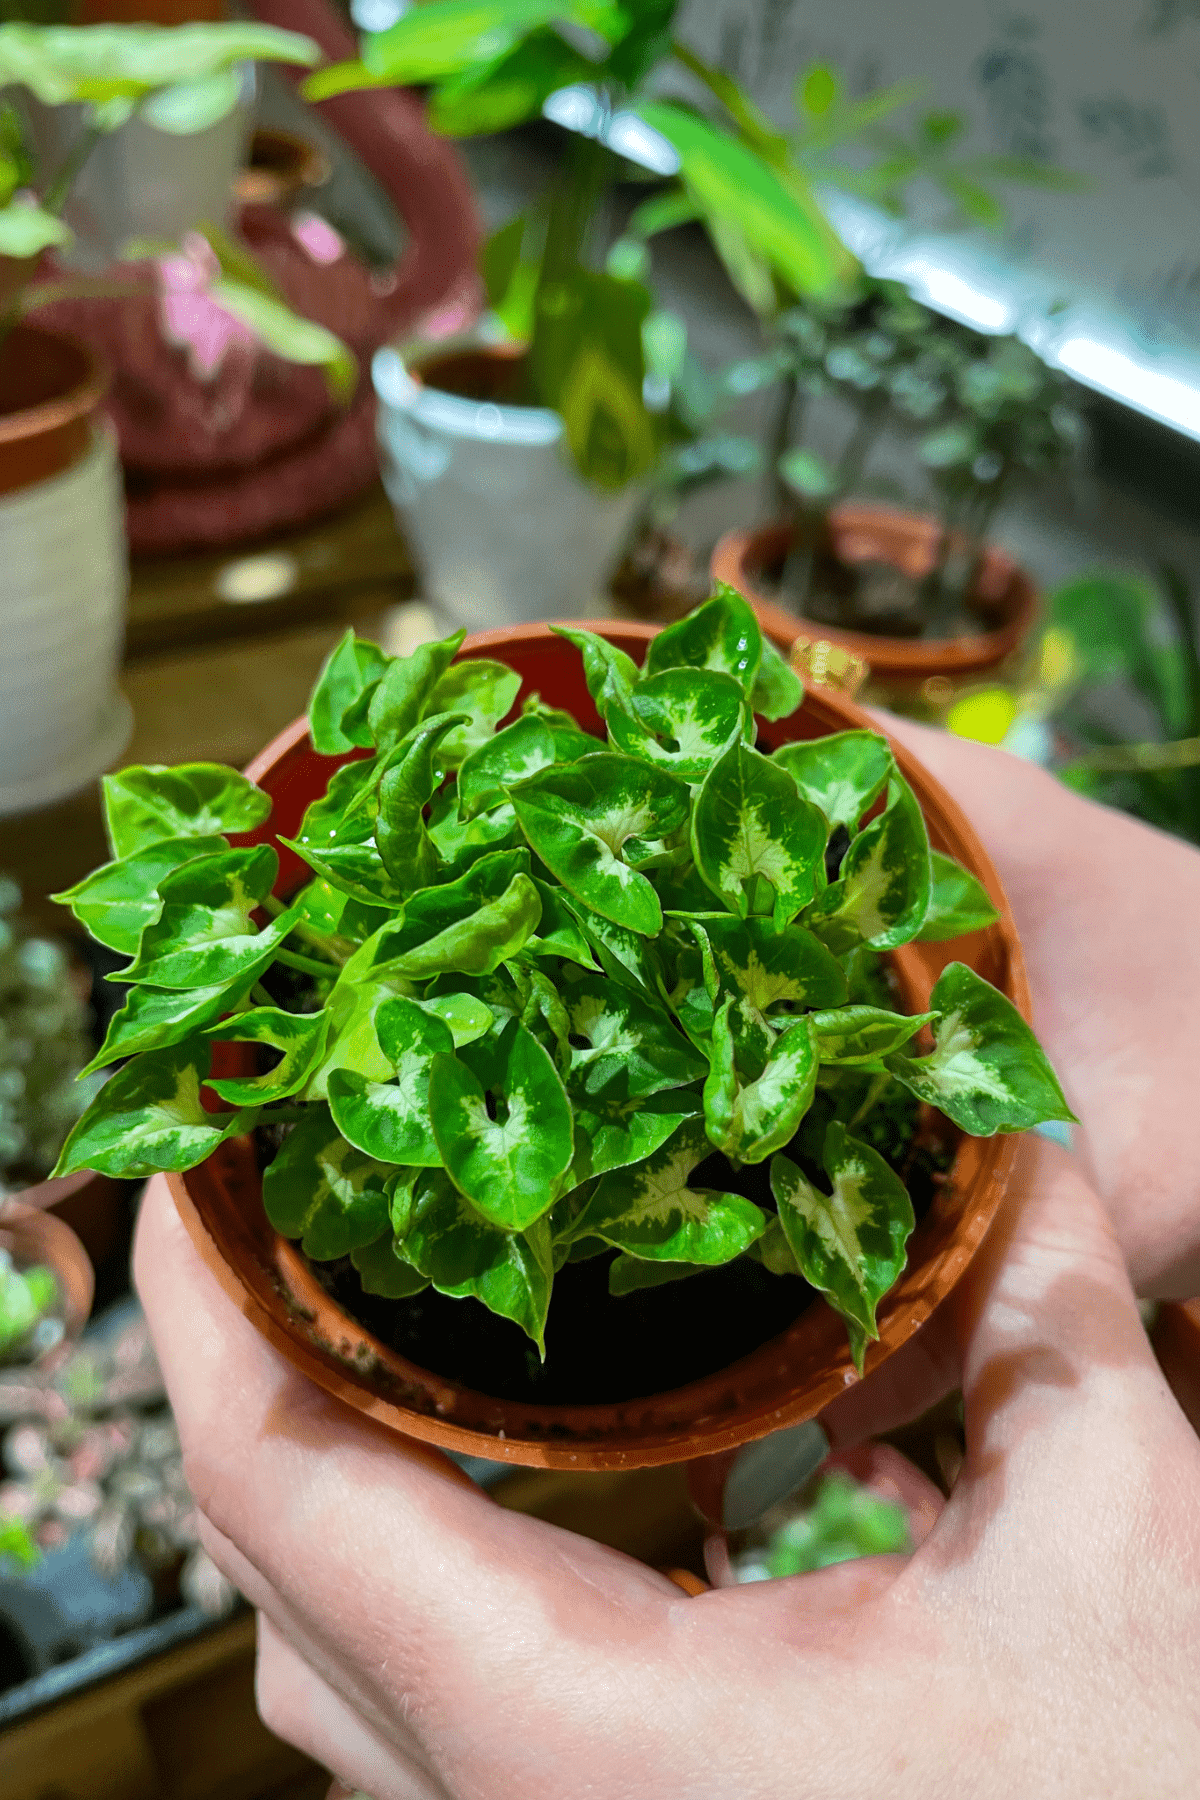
column 62, row 548
column 519, row 461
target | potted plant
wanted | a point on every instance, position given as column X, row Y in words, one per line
column 561, row 413
column 62, row 717
column 923, row 601
column 607, row 1000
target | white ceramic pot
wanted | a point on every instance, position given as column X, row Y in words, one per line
column 503, row 528
column 63, row 582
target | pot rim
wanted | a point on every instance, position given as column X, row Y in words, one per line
column 740, row 556
column 396, row 377
column 283, row 1300
column 78, row 402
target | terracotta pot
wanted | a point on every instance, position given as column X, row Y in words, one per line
column 781, row 1383
column 280, row 166
column 50, row 393
column 34, row 1237
column 88, row 1203
column 908, row 669
column 1176, row 1340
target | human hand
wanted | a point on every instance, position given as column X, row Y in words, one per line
column 424, row 1644
column 1106, row 910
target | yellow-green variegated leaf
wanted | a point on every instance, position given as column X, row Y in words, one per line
column 401, row 835
column 987, row 1071
column 149, row 1116
column 205, row 933
column 144, row 806
column 400, row 700
column 778, row 691
column 622, row 1044
column 476, row 942
column 849, row 1243
column 629, row 1274
column 298, row 1037
column 957, row 905
column 610, row 674
column 559, row 932
column 350, row 670
column 152, row 1018
column 625, row 956
column 459, row 843
column 613, row 1134
column 464, row 1254
column 596, row 823
column 337, row 836
column 749, row 1117
column 115, row 903
column 390, row 1120
column 882, row 892
column 651, row 1212
column 862, row 1034
column 750, row 823
column 384, row 1270
column 466, row 1017
column 774, row 971
column 485, row 692
column 502, row 1122
column 323, row 1191
column 723, row 635
column 682, row 720
column 511, row 755
column 844, row 774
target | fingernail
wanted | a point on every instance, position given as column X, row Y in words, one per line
column 771, row 1470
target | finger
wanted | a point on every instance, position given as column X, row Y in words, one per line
column 302, row 1709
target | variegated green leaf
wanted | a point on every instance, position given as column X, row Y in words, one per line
column 651, row 1212
column 843, row 774
column 384, row 1270
column 850, row 1243
column 395, row 707
column 629, row 1274
column 862, row 1034
column 774, row 970
column 749, row 823
column 502, row 1122
column 778, row 690
column 957, row 905
column 594, row 823
column 323, row 1191
column 401, row 835
column 464, row 1254
column 361, row 988
column 205, row 934
column 149, row 1116
column 750, row 1118
column 459, row 843
column 390, row 1120
column 882, row 893
column 300, row 1039
column 485, row 692
column 144, row 806
column 625, row 956
column 115, row 903
column 152, row 1018
column 682, row 720
column 337, row 836
column 610, row 674
column 349, row 671
column 543, row 1013
column 987, row 1072
column 559, row 933
column 512, row 755
column 336, row 916
column 466, row 1017
column 613, row 1134
column 622, row 1045
column 475, row 943
column 722, row 634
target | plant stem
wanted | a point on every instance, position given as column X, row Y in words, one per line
column 258, row 992
column 306, row 965
column 781, row 441
column 861, row 443
column 273, row 906
column 874, row 1093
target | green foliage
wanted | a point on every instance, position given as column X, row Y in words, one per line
column 44, row 1044
column 16, row 1544
column 26, row 1296
column 844, row 1520
column 543, row 1049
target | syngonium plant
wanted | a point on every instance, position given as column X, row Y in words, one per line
column 546, row 976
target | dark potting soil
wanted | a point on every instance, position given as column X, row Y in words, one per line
column 872, row 597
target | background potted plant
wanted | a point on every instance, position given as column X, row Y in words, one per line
column 518, row 464
column 62, row 717
column 516, row 988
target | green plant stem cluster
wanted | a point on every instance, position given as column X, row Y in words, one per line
column 546, row 975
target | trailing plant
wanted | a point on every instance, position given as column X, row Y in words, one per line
column 539, row 983
column 182, row 79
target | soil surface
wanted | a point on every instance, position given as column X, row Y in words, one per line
column 873, row 597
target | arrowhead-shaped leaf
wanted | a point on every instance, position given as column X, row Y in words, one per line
column 152, row 1018
column 958, row 903
column 651, row 1212
column 349, row 671
column 611, row 676
column 778, row 690
column 467, row 1017
column 485, row 692
column 682, row 720
column 402, row 697
column 862, row 1034
column 559, row 932
column 512, row 755
column 750, row 1118
column 390, row 1120
column 205, row 933
column 623, row 1046
column 613, row 1134
column 337, row 836
column 749, row 822
column 323, row 1191
column 987, row 1072
column 149, row 1116
column 849, row 1243
column 299, row 1037
column 384, row 1270
column 625, row 956
column 843, row 774
column 474, row 944
column 401, row 835
column 772, row 969
column 464, row 1254
column 723, row 634
column 115, row 903
column 144, row 806
column 593, row 823
column 502, row 1122
column 883, row 890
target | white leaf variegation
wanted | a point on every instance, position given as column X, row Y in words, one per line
column 651, row 1212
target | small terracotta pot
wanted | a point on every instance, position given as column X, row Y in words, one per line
column 50, row 391
column 784, row 1381
column 281, row 165
column 921, row 669
column 1176, row 1340
column 31, row 1237
column 88, row 1203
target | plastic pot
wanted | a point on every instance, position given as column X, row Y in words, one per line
column 503, row 527
column 909, row 671
column 62, row 549
column 786, row 1380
